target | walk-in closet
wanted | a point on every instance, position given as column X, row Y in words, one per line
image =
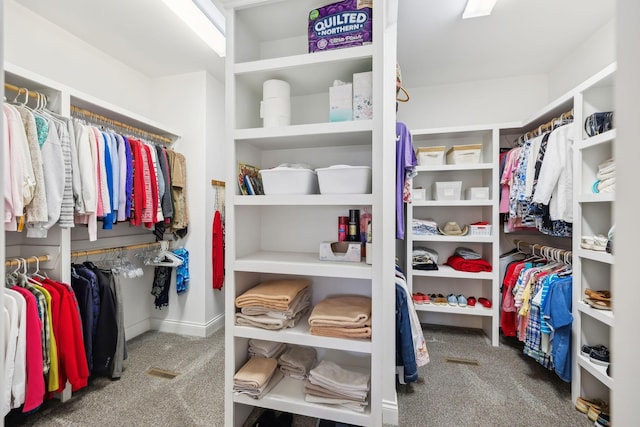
column 169, row 212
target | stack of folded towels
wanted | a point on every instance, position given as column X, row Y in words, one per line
column 274, row 304
column 263, row 348
column 329, row 383
column 465, row 259
column 424, row 227
column 605, row 177
column 257, row 377
column 344, row 316
column 297, row 361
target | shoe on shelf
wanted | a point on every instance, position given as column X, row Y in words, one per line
column 594, row 411
column 462, row 301
column 600, row 356
column 471, row 302
column 603, row 295
column 452, row 300
column 417, row 298
column 441, row 300
column 603, row 420
column 598, row 304
column 594, row 243
column 484, row 302
column 426, row 299
column 583, row 404
column 586, row 349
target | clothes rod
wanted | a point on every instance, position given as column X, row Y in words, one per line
column 116, row 123
column 545, row 127
column 20, row 90
column 30, row 260
column 89, row 252
column 548, row 252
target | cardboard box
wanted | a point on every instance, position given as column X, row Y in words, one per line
column 341, row 24
column 363, row 96
column 340, row 102
column 341, row 251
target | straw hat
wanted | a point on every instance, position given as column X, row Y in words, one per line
column 453, row 229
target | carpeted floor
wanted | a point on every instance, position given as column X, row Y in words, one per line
column 493, row 386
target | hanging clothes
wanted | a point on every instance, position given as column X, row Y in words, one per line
column 217, row 252
column 406, row 161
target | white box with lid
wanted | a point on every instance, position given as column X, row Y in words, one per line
column 447, row 190
column 431, row 156
column 461, row 154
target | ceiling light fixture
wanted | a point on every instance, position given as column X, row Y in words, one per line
column 476, row 8
column 204, row 19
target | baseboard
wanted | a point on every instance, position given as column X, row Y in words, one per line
column 390, row 412
column 188, row 328
column 136, row 329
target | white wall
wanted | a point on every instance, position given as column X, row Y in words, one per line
column 37, row 45
column 474, row 103
column 591, row 56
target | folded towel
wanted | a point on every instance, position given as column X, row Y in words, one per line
column 354, row 406
column 255, row 372
column 354, row 310
column 338, row 332
column 467, row 253
column 297, row 361
column 338, row 378
column 276, row 293
column 318, row 390
column 300, row 302
column 264, row 348
column 266, row 322
column 260, row 392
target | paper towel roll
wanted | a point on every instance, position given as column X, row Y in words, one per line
column 275, row 89
column 275, row 112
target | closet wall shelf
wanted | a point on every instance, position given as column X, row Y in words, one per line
column 307, row 264
column 461, row 167
column 604, row 316
column 597, row 198
column 288, row 396
column 438, row 238
column 469, row 311
column 452, row 203
column 602, row 138
column 446, row 271
column 604, row 257
column 305, row 200
column 300, row 335
column 329, row 134
column 600, row 372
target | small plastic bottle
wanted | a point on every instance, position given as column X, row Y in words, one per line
column 343, row 224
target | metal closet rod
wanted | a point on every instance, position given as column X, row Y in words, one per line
column 98, row 117
column 30, row 260
column 548, row 252
column 14, row 88
column 89, row 252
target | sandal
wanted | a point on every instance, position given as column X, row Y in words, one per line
column 583, row 404
column 598, row 295
column 600, row 305
column 594, row 243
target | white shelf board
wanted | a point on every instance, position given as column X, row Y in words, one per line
column 288, row 396
column 600, row 256
column 597, row 198
column 329, row 134
column 460, row 167
column 447, row 271
column 308, row 73
column 599, row 372
column 593, row 141
column 305, row 200
column 300, row 335
column 440, row 238
column 452, row 203
column 307, row 264
column 604, row 316
column 478, row 310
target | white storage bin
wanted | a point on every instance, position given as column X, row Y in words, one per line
column 418, row 194
column 289, row 180
column 478, row 193
column 447, row 190
column 431, row 155
column 480, row 230
column 460, row 154
column 344, row 179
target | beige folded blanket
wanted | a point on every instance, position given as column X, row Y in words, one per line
column 297, row 361
column 276, row 293
column 255, row 372
column 266, row 322
column 354, row 310
column 324, row 331
column 259, row 393
column 264, row 348
column 300, row 302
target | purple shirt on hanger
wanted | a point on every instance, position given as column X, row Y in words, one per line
column 405, row 162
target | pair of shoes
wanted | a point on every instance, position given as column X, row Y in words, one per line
column 598, row 304
column 471, row 302
column 600, row 356
column 452, row 300
column 594, row 243
column 484, row 302
column 595, row 411
column 603, row 420
column 439, row 299
column 598, row 295
column 586, row 349
column 583, row 404
column 420, row 298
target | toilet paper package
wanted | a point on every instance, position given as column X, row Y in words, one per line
column 342, row 24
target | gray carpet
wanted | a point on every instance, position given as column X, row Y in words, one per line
column 505, row 388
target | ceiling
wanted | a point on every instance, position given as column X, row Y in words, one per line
column 435, row 46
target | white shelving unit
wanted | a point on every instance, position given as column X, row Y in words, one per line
column 447, row 280
column 278, row 236
column 594, row 214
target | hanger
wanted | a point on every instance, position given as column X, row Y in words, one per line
column 165, row 257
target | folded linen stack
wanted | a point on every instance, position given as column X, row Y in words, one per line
column 297, row 361
column 257, row 377
column 262, row 348
column 332, row 384
column 344, row 316
column 605, row 177
column 424, row 227
column 274, row 304
column 423, row 258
